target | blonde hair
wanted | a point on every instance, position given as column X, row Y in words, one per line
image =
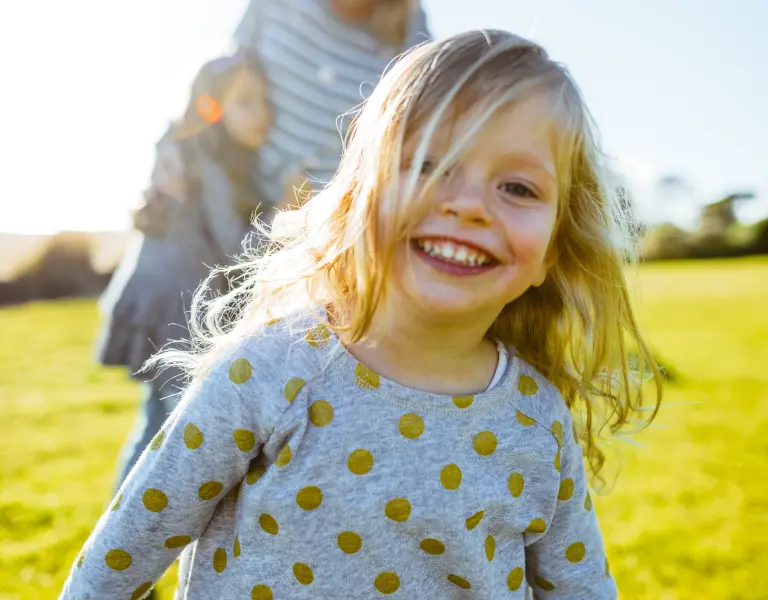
column 577, row 328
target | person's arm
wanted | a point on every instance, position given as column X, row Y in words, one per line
column 568, row 559
column 167, row 184
column 202, row 452
column 223, row 223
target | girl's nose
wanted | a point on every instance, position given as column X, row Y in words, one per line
column 467, row 201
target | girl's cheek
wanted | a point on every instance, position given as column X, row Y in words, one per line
column 529, row 234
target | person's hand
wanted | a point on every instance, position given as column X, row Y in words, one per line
column 167, row 177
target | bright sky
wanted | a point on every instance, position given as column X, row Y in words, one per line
column 88, row 86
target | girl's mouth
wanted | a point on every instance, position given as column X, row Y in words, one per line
column 454, row 257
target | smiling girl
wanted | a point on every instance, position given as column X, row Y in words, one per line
column 391, row 413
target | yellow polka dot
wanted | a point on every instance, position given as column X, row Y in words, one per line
column 516, row 483
column 273, row 322
column 236, row 547
column 474, row 520
column 525, row 420
column 545, row 585
column 303, row 573
column 157, row 441
column 432, row 546
column 463, row 401
column 536, row 526
column 116, row 502
column 292, row 389
column 118, row 560
column 566, row 489
column 398, row 509
column 178, row 541
column 557, row 461
column 240, row 371
column 309, row 498
column 387, row 583
column 155, row 500
column 575, row 552
column 261, row 592
column 366, row 378
column 208, row 491
column 255, row 473
column 515, row 579
column 411, row 426
column 268, row 524
column 459, row 581
column 527, row 386
column 490, row 547
column 284, row 457
column 588, row 502
column 557, row 431
column 220, row 560
column 193, row 437
column 321, row 413
column 485, row 443
column 450, row 477
column 141, row 590
column 318, row 336
column 349, row 542
column 360, row 462
column 244, row 439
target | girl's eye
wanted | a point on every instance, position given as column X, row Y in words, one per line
column 427, row 167
column 518, row 189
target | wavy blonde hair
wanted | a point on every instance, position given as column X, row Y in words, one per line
column 578, row 329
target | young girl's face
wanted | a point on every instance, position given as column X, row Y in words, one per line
column 484, row 239
column 246, row 112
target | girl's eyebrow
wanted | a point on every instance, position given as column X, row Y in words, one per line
column 529, row 160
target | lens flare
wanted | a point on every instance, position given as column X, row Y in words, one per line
column 209, row 109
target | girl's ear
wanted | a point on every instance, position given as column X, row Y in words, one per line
column 549, row 262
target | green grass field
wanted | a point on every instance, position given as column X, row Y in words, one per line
column 687, row 518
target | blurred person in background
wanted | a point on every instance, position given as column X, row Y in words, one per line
column 258, row 125
column 146, row 303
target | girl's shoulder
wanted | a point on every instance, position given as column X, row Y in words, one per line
column 278, row 349
column 539, row 400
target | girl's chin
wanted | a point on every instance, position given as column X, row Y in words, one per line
column 437, row 302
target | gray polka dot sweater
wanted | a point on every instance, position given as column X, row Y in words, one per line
column 292, row 471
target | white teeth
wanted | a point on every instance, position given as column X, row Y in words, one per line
column 454, row 252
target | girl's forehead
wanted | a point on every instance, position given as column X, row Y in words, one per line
column 532, row 119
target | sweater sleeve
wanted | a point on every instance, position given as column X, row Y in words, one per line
column 201, row 453
column 568, row 560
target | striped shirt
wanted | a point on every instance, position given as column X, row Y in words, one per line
column 317, row 69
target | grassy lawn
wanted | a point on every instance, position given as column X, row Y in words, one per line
column 686, row 519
